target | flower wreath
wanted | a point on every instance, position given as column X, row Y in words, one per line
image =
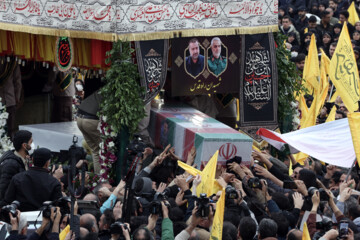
column 5, row 142
column 107, row 154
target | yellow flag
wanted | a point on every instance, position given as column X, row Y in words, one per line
column 354, row 123
column 343, row 71
column 311, row 116
column 64, row 232
column 300, row 157
column 304, row 109
column 191, row 170
column 353, row 15
column 217, row 227
column 208, row 176
column 306, row 234
column 312, row 72
column 331, row 116
column 324, row 71
column 290, row 168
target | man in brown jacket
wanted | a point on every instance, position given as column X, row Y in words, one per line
column 10, row 91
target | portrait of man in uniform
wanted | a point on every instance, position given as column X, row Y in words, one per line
column 216, row 62
column 195, row 62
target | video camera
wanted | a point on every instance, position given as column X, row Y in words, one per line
column 203, row 204
column 155, row 204
column 115, row 228
column 62, row 203
column 11, row 208
column 136, row 146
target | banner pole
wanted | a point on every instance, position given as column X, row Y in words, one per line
column 348, row 174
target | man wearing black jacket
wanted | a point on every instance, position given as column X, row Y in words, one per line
column 32, row 188
column 13, row 162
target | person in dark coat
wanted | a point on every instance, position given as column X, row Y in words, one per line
column 13, row 162
column 32, row 188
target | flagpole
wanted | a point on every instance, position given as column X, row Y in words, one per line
column 331, row 91
column 348, row 174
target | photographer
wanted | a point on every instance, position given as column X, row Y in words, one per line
column 18, row 227
column 33, row 187
column 46, row 223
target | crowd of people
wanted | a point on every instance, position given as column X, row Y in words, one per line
column 298, row 20
column 262, row 200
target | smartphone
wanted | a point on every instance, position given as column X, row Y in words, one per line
column 289, row 185
column 343, row 229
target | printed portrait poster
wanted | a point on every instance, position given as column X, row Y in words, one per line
column 205, row 65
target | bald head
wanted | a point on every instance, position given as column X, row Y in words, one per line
column 294, row 234
column 88, row 221
column 90, row 197
column 330, row 10
column 83, row 232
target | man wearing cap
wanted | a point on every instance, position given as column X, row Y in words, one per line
column 33, row 187
column 13, row 162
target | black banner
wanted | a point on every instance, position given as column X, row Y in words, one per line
column 152, row 59
column 258, row 83
column 205, row 65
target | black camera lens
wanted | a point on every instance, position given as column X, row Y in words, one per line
column 254, row 183
column 231, row 192
column 11, row 208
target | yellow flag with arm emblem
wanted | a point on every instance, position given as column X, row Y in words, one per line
column 217, row 227
column 344, row 73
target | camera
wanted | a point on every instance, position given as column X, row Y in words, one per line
column 325, row 225
column 203, row 205
column 254, row 183
column 62, row 203
column 231, row 193
column 11, row 208
column 323, row 195
column 155, row 204
column 115, row 228
column 136, row 146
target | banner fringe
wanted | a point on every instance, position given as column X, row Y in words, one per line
column 137, row 36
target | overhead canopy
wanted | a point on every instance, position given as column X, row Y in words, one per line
column 329, row 142
column 138, row 20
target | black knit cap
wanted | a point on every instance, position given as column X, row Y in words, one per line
column 41, row 156
column 21, row 136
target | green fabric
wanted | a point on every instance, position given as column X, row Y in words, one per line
column 216, row 65
column 167, row 232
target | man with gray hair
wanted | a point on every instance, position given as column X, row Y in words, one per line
column 216, row 62
column 18, row 227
